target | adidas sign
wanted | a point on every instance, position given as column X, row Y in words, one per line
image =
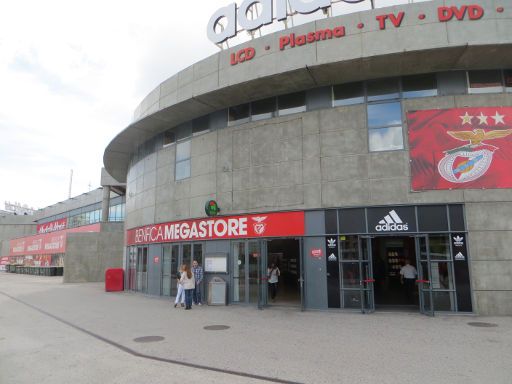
column 458, row 241
column 392, row 223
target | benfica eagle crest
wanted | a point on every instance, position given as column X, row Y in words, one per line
column 460, row 148
column 470, row 162
column 259, row 225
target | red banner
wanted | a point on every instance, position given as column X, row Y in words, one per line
column 233, row 227
column 57, row 225
column 464, row 148
column 49, row 243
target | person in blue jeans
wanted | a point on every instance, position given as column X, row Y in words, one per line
column 198, row 275
column 188, row 282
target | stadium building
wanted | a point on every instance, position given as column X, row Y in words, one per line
column 338, row 150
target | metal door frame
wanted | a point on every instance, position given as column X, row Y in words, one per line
column 261, row 275
column 301, row 274
column 366, row 280
column 421, row 276
column 366, row 290
column 162, row 274
column 143, row 283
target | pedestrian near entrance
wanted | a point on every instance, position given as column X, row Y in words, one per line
column 188, row 282
column 181, row 292
column 198, row 275
column 408, row 275
column 273, row 274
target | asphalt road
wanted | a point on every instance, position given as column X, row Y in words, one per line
column 76, row 333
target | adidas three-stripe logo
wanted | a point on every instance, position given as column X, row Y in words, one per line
column 392, row 222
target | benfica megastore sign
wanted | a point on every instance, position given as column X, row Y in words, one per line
column 239, row 15
column 282, row 224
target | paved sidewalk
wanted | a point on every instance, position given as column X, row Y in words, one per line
column 283, row 344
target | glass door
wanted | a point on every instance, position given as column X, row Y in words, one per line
column 248, row 272
column 132, row 268
column 175, row 266
column 239, row 262
column 167, row 272
column 424, row 273
column 367, row 280
column 253, row 271
column 142, row 269
column 356, row 274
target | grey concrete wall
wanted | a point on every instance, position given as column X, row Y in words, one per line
column 418, row 46
column 320, row 159
column 314, row 160
column 88, row 255
column 9, row 229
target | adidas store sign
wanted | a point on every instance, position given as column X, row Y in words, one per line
column 391, row 223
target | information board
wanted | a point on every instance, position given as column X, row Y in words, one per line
column 216, row 263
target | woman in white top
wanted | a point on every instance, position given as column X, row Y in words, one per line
column 273, row 274
column 181, row 291
column 188, row 282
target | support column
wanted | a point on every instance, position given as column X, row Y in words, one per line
column 105, row 204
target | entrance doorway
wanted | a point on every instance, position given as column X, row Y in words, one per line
column 248, row 265
column 173, row 256
column 389, row 255
column 251, row 262
column 285, row 255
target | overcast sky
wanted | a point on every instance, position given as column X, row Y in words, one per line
column 71, row 75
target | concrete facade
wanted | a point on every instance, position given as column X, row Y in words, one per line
column 11, row 227
column 320, row 159
column 88, row 255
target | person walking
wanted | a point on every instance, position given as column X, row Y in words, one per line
column 273, row 274
column 198, row 276
column 181, row 291
column 408, row 275
column 188, row 282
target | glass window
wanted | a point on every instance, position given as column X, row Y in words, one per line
column 383, row 89
column 183, row 170
column 263, row 109
column 457, row 218
column 291, row 103
column 183, row 151
column 384, row 114
column 419, row 86
column 485, row 81
column 508, row 79
column 443, row 301
column 441, row 276
column 348, row 94
column 439, row 247
column 169, row 138
column 187, row 254
column 239, row 114
column 184, row 131
column 183, row 160
column 201, row 125
column 386, row 139
column 432, row 218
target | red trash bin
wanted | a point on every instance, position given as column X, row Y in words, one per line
column 114, row 279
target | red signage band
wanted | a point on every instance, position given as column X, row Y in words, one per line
column 232, row 227
column 48, row 243
column 463, row 148
column 57, row 225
